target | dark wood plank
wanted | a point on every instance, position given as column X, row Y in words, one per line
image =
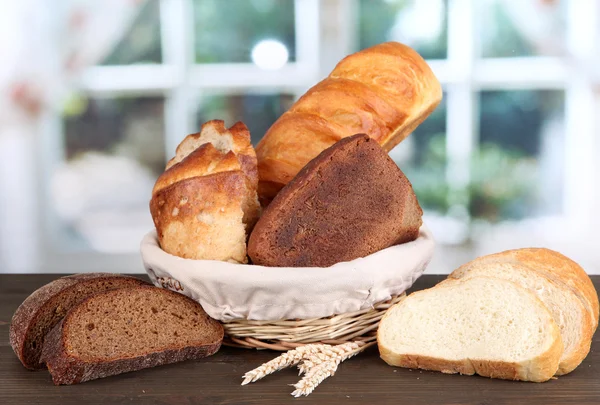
column 215, row 380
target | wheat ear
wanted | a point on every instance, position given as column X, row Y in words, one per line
column 287, row 359
column 324, row 364
column 314, row 377
column 315, row 361
column 343, row 351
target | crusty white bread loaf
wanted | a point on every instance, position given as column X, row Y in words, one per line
column 482, row 325
column 572, row 318
column 205, row 204
column 384, row 91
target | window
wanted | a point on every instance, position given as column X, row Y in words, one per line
column 422, row 24
column 227, row 31
column 519, row 165
column 511, row 142
column 183, row 62
column 257, row 110
column 141, row 44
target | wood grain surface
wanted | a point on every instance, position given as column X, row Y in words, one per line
column 216, row 380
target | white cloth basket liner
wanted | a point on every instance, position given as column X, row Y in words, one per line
column 230, row 291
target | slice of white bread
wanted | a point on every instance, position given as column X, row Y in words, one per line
column 482, row 325
column 572, row 318
column 558, row 268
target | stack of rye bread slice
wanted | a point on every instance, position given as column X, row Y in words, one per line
column 525, row 314
column 96, row 325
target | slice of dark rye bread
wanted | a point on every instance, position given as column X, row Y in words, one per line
column 350, row 201
column 43, row 309
column 124, row 330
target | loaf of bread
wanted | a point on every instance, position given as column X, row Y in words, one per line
column 125, row 330
column 480, row 325
column 205, row 204
column 350, row 201
column 43, row 309
column 384, row 91
column 574, row 320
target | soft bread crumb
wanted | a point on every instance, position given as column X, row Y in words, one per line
column 481, row 325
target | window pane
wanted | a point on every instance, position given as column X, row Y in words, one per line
column 227, row 31
column 422, row 157
column 420, row 24
column 518, row 170
column 114, row 150
column 522, row 28
column 257, row 111
column 141, row 43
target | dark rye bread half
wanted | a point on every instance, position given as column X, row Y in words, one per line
column 43, row 309
column 350, row 201
column 124, row 330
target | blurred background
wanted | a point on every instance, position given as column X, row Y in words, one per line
column 95, row 96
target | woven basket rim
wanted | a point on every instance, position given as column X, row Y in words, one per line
column 286, row 334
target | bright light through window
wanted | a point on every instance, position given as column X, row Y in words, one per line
column 270, row 54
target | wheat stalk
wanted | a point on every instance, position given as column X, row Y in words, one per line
column 331, row 353
column 311, row 362
column 315, row 376
column 315, row 361
column 287, row 359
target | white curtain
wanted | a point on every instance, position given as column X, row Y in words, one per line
column 44, row 47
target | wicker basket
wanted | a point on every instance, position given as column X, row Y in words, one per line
column 282, row 308
column 287, row 334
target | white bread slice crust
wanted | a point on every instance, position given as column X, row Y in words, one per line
column 488, row 326
column 568, row 312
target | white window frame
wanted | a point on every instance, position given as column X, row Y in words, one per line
column 178, row 80
column 463, row 75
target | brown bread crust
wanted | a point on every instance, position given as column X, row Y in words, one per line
column 202, row 217
column 485, row 368
column 67, row 369
column 350, row 201
column 50, row 299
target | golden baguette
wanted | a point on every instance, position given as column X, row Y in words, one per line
column 384, row 91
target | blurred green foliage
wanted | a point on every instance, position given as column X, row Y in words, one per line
column 257, row 111
column 499, row 36
column 227, row 30
column 428, row 177
column 505, row 175
column 141, row 43
column 377, row 17
column 502, row 183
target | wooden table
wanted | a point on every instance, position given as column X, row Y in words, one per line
column 216, row 380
